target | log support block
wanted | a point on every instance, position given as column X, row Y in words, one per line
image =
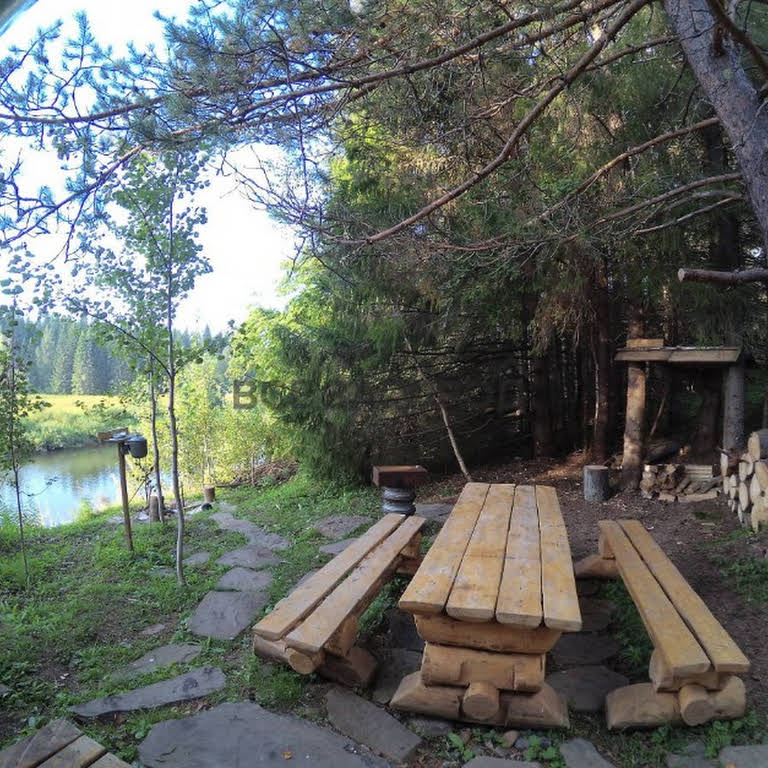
column 446, row 665
column 596, row 482
column 355, row 670
column 663, row 680
column 596, row 567
column 639, row 706
column 481, row 701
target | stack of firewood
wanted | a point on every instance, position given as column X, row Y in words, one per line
column 679, row 482
column 745, row 480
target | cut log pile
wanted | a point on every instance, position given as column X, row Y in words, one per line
column 679, row 482
column 745, row 481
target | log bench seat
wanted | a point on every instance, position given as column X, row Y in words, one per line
column 314, row 628
column 695, row 662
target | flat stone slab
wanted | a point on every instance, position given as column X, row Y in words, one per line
column 245, row 580
column 402, row 631
column 438, row 512
column 152, row 629
column 370, row 725
column 162, row 571
column 392, row 670
column 585, row 688
column 744, row 757
column 191, row 685
column 499, row 762
column 224, row 615
column 244, row 734
column 254, row 533
column 163, row 656
column 249, row 556
column 336, row 526
column 576, row 649
column 691, row 758
column 336, row 547
column 430, row 726
column 580, row 753
column 199, row 558
column 595, row 614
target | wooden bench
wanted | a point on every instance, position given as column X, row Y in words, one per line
column 58, row 745
column 491, row 597
column 314, row 628
column 695, row 661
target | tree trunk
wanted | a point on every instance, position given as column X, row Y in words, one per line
column 733, row 409
column 602, row 368
column 542, row 414
column 705, row 437
column 729, row 90
column 634, row 427
column 155, row 446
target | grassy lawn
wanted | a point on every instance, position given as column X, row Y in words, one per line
column 90, row 598
column 74, row 420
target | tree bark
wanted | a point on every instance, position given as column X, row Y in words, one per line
column 634, row 426
column 705, row 437
column 733, row 409
column 729, row 90
column 542, row 413
column 602, row 368
column 155, row 446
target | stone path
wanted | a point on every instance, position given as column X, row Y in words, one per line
column 580, row 753
column 199, row 558
column 499, row 762
column 249, row 556
column 371, row 725
column 340, row 525
column 578, row 649
column 585, row 688
column 163, row 656
column 191, row 685
column 243, row 734
column 693, row 755
column 245, row 580
column 254, row 533
column 224, row 615
column 336, row 547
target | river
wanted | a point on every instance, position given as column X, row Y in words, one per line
column 57, row 484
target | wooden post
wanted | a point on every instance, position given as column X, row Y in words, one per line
column 154, row 508
column 124, row 494
column 733, row 409
column 209, row 494
column 632, row 463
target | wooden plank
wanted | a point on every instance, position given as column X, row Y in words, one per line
column 671, row 637
column 430, row 587
column 299, row 603
column 643, row 355
column 81, row 752
column 699, row 356
column 110, row 761
column 560, row 601
column 361, row 585
column 488, row 636
column 519, row 602
column 710, row 633
column 476, row 587
column 644, row 343
column 39, row 747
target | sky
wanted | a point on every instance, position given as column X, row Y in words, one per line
column 245, row 247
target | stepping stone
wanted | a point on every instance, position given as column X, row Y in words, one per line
column 224, row 615
column 162, row 570
column 392, row 670
column 249, row 556
column 4, row 690
column 580, row 753
column 694, row 755
column 595, row 614
column 153, row 629
column 576, row 650
column 402, row 631
column 254, row 533
column 163, row 656
column 191, row 685
column 199, row 558
column 498, row 762
column 585, row 688
column 744, row 757
column 245, row 734
column 336, row 547
column 370, row 725
column 438, row 512
column 430, row 726
column 245, row 580
column 339, row 525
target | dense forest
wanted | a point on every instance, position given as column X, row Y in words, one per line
column 489, row 200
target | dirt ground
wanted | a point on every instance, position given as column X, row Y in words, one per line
column 692, row 541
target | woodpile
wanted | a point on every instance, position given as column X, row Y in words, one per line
column 680, row 483
column 744, row 481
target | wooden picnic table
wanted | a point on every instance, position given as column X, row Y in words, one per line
column 491, row 597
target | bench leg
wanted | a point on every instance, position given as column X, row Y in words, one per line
column 355, row 670
column 595, row 567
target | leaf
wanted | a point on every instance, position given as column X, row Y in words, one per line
column 287, row 755
column 455, row 741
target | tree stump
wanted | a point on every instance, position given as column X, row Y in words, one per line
column 154, row 509
column 596, row 485
column 209, row 494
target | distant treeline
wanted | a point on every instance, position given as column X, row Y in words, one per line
column 66, row 357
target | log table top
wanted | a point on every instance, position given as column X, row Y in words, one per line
column 503, row 555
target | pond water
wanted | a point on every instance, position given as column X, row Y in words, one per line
column 57, row 484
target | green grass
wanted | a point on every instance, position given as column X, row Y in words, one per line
column 71, row 421
column 90, row 598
